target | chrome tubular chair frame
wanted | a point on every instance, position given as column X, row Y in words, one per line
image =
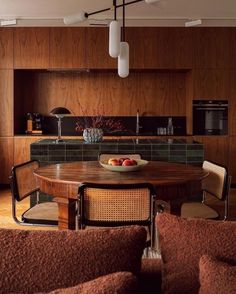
column 32, row 188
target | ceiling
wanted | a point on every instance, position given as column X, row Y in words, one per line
column 163, row 13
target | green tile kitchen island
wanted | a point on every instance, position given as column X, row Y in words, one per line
column 171, row 150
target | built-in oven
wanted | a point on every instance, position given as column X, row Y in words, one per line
column 210, row 117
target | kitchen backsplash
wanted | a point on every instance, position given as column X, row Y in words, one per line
column 149, row 125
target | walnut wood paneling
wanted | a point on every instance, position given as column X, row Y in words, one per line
column 232, row 103
column 97, row 50
column 6, row 103
column 232, row 156
column 22, row 148
column 6, row 48
column 68, row 48
column 160, row 47
column 211, row 84
column 189, row 102
column 31, row 47
column 6, row 158
column 106, row 93
column 211, row 47
column 232, row 59
column 216, row 148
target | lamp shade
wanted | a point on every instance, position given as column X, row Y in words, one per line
column 74, row 18
column 114, row 39
column 123, row 60
column 60, row 110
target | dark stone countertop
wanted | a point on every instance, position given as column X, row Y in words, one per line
column 118, row 141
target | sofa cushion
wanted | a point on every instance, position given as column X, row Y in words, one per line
column 122, row 283
column 216, row 277
column 42, row 261
column 184, row 241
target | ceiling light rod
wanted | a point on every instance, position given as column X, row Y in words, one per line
column 107, row 9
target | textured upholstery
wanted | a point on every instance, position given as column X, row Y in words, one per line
column 217, row 277
column 184, row 241
column 42, row 261
column 122, row 283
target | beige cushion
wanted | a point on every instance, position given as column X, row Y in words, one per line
column 216, row 277
column 42, row 261
column 184, row 241
column 198, row 210
column 46, row 210
column 122, row 283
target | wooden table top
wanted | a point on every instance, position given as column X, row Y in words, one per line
column 156, row 173
column 173, row 182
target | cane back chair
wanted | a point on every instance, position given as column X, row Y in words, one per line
column 111, row 205
column 24, row 184
column 217, row 184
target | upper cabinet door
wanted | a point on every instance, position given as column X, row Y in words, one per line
column 6, row 48
column 232, row 52
column 160, row 48
column 211, row 47
column 97, row 49
column 67, row 48
column 31, row 47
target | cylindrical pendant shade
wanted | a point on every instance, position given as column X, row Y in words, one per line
column 114, row 39
column 74, row 18
column 123, row 60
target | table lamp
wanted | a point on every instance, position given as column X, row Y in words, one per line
column 59, row 113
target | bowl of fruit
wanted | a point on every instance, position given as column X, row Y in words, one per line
column 123, row 164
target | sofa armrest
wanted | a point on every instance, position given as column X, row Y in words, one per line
column 150, row 276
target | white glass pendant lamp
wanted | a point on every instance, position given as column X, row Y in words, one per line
column 123, row 60
column 114, row 39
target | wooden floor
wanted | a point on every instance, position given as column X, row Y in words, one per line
column 6, row 220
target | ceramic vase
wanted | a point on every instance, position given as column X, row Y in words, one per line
column 92, row 135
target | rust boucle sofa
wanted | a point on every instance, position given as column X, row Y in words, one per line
column 107, row 261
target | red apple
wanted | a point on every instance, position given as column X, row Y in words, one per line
column 122, row 159
column 129, row 162
column 113, row 161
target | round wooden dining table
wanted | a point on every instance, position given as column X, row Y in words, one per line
column 173, row 182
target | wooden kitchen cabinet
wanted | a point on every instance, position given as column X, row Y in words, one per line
column 6, row 158
column 22, row 147
column 160, row 48
column 31, row 47
column 232, row 56
column 232, row 103
column 6, row 103
column 210, row 84
column 216, row 148
column 232, row 156
column 6, row 48
column 211, row 47
column 68, row 48
column 97, row 49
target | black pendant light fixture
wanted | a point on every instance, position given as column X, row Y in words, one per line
column 117, row 48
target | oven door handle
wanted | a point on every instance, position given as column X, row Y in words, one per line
column 209, row 108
